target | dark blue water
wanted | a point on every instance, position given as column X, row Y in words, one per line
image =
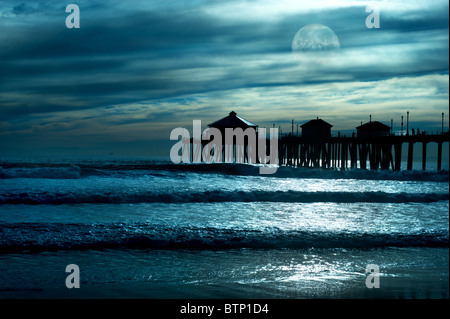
column 210, row 231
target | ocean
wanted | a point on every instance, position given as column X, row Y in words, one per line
column 145, row 228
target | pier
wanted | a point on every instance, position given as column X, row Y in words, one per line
column 373, row 146
column 377, row 152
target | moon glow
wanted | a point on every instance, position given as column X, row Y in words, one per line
column 315, row 37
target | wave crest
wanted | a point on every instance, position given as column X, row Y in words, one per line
column 215, row 196
column 87, row 170
column 45, row 237
column 65, row 172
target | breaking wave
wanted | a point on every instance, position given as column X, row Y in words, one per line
column 86, row 170
column 65, row 172
column 49, row 237
column 215, row 196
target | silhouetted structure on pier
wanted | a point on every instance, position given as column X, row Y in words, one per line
column 232, row 121
column 381, row 152
column 373, row 129
column 373, row 147
column 317, row 128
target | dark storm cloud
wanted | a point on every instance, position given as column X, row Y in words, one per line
column 29, row 8
column 133, row 52
column 100, row 58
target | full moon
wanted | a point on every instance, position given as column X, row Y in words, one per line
column 315, row 37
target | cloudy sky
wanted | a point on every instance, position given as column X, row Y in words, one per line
column 135, row 70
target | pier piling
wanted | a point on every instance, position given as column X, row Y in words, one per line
column 382, row 152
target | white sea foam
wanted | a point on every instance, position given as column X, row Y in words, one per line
column 64, row 171
column 56, row 236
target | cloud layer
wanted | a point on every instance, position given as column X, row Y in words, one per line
column 137, row 69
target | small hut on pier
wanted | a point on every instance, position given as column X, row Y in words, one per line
column 371, row 129
column 242, row 151
column 317, row 128
column 232, row 121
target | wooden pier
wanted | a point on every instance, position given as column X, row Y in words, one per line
column 373, row 146
column 383, row 152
